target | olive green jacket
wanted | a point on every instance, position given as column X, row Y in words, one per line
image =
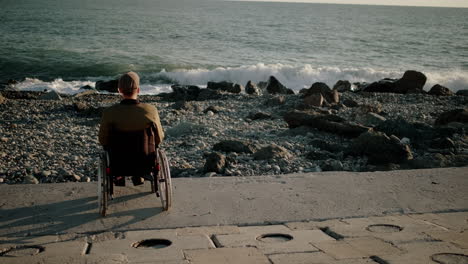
column 129, row 115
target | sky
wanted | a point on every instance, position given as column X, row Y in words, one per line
column 440, row 3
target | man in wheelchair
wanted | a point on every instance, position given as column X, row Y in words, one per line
column 130, row 132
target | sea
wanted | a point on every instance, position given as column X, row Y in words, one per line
column 66, row 44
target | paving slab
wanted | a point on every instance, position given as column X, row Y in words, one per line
column 44, row 209
column 457, row 221
column 226, row 256
column 423, row 253
column 301, row 258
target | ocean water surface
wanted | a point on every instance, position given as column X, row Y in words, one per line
column 66, row 44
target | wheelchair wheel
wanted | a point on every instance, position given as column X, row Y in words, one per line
column 164, row 184
column 103, row 186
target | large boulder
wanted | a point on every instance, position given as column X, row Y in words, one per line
column 462, row 92
column 215, row 162
column 416, row 131
column 382, row 86
column 225, row 86
column 251, row 88
column 275, row 87
column 209, row 94
column 234, row 146
column 457, row 115
column 272, row 152
column 380, row 148
column 314, row 100
column 185, row 92
column 324, row 122
column 412, row 81
column 331, row 96
column 52, row 95
column 342, row 86
column 440, row 90
column 110, row 86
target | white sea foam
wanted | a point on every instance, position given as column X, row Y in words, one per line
column 295, row 77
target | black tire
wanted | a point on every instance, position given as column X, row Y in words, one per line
column 164, row 183
column 103, row 186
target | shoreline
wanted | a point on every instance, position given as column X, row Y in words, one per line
column 219, row 132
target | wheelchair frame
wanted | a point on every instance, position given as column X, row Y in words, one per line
column 161, row 184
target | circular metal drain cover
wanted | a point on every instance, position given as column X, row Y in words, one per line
column 274, row 238
column 450, row 258
column 22, row 251
column 153, row 243
column 382, row 228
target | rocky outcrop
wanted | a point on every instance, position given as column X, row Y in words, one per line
column 215, row 162
column 329, row 123
column 457, row 115
column 440, row 90
column 275, row 87
column 272, row 152
column 411, row 82
column 342, row 86
column 185, row 92
column 110, row 86
column 251, row 88
column 330, row 96
column 380, row 148
column 225, row 86
column 234, row 146
column 52, row 95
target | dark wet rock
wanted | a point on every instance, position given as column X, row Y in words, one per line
column 330, row 96
column 87, row 87
column 443, row 143
column 324, row 145
column 215, row 162
column 52, row 95
column 185, row 92
column 234, row 146
column 275, row 87
column 456, row 115
column 440, row 90
column 331, row 165
column 412, row 81
column 320, row 155
column 328, row 123
column 342, row 86
column 110, row 86
column 251, row 88
column 314, row 100
column 209, row 94
column 225, row 86
column 382, row 86
column 462, row 92
column 400, row 127
column 350, row 103
column 272, row 152
column 381, row 148
column 259, row 115
column 275, row 101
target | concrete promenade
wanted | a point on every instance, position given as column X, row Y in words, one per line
column 417, row 216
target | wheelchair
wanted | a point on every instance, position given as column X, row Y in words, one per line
column 134, row 154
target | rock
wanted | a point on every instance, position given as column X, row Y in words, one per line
column 457, row 115
column 186, row 106
column 259, row 115
column 320, row 155
column 87, row 87
column 215, row 162
column 462, row 92
column 370, row 108
column 411, row 81
column 332, row 165
column 342, row 86
column 52, row 95
column 46, row 173
column 401, row 128
column 73, row 177
column 315, row 100
column 85, row 93
column 185, row 92
column 324, row 145
column 371, row 119
column 350, row 103
column 331, row 96
column 86, row 179
column 225, row 86
column 382, row 86
column 80, row 106
column 440, row 90
column 208, row 94
column 184, row 129
column 380, row 148
column 234, row 146
column 272, row 152
column 275, row 101
column 251, row 88
column 275, row 87
column 443, row 143
column 49, row 153
column 110, row 86
column 328, row 123
column 213, row 108
column 29, row 179
column 2, row 99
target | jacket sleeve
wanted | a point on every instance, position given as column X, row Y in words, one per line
column 160, row 136
column 104, row 129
